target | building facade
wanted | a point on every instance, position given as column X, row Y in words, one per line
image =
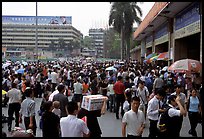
column 19, row 34
column 97, row 41
column 172, row 27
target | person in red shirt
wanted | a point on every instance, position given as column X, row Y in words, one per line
column 119, row 89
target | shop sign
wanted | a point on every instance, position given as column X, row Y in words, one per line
column 161, row 39
column 149, row 41
column 161, row 31
column 187, row 16
column 188, row 30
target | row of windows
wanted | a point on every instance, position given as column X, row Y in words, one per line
column 41, row 27
column 47, row 33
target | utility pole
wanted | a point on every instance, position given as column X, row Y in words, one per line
column 36, row 31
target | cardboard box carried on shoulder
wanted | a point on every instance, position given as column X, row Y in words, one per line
column 93, row 102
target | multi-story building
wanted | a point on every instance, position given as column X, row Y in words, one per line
column 19, row 33
column 174, row 28
column 97, row 43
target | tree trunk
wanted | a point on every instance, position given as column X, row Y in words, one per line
column 122, row 44
column 128, row 49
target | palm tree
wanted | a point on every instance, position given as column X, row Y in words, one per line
column 122, row 16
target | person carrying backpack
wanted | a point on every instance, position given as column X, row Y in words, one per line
column 172, row 118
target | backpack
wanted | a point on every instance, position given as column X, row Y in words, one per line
column 163, row 120
column 5, row 86
column 148, row 82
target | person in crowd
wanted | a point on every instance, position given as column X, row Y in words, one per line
column 56, row 110
column 54, row 77
column 27, row 110
column 153, row 110
column 93, row 86
column 78, row 88
column 194, row 111
column 62, row 99
column 111, row 95
column 175, row 112
column 50, row 121
column 41, row 110
column 183, row 101
column 103, row 87
column 23, row 86
column 158, row 83
column 71, row 126
column 119, row 90
column 14, row 102
column 128, row 88
column 143, row 93
column 133, row 120
column 51, row 95
column 38, row 92
column 85, row 87
column 92, row 121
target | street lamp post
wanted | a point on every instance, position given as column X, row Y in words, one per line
column 36, row 31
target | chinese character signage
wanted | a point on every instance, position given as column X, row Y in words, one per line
column 41, row 20
column 188, row 16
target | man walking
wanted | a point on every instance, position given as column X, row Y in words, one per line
column 14, row 96
column 133, row 120
column 28, row 110
column 153, row 111
column 119, row 90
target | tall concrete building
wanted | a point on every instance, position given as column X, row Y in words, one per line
column 19, row 36
column 97, row 43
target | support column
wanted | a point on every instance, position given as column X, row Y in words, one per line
column 170, row 36
column 142, row 50
column 201, row 33
column 153, row 46
column 173, row 41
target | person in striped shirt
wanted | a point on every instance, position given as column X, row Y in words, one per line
column 27, row 110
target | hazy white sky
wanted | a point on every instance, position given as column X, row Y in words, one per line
column 85, row 15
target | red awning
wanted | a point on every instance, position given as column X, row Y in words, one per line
column 163, row 56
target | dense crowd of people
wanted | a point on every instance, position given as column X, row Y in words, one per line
column 148, row 88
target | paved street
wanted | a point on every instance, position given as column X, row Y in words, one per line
column 110, row 126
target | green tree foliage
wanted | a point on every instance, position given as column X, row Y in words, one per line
column 122, row 16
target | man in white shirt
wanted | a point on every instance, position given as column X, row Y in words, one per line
column 52, row 95
column 54, row 77
column 183, row 101
column 133, row 120
column 153, row 110
column 143, row 94
column 14, row 96
column 71, row 126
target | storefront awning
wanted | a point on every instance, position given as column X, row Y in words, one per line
column 163, row 56
column 150, row 55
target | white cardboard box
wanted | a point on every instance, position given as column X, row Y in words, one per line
column 92, row 102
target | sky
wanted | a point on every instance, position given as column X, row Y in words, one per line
column 85, row 15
